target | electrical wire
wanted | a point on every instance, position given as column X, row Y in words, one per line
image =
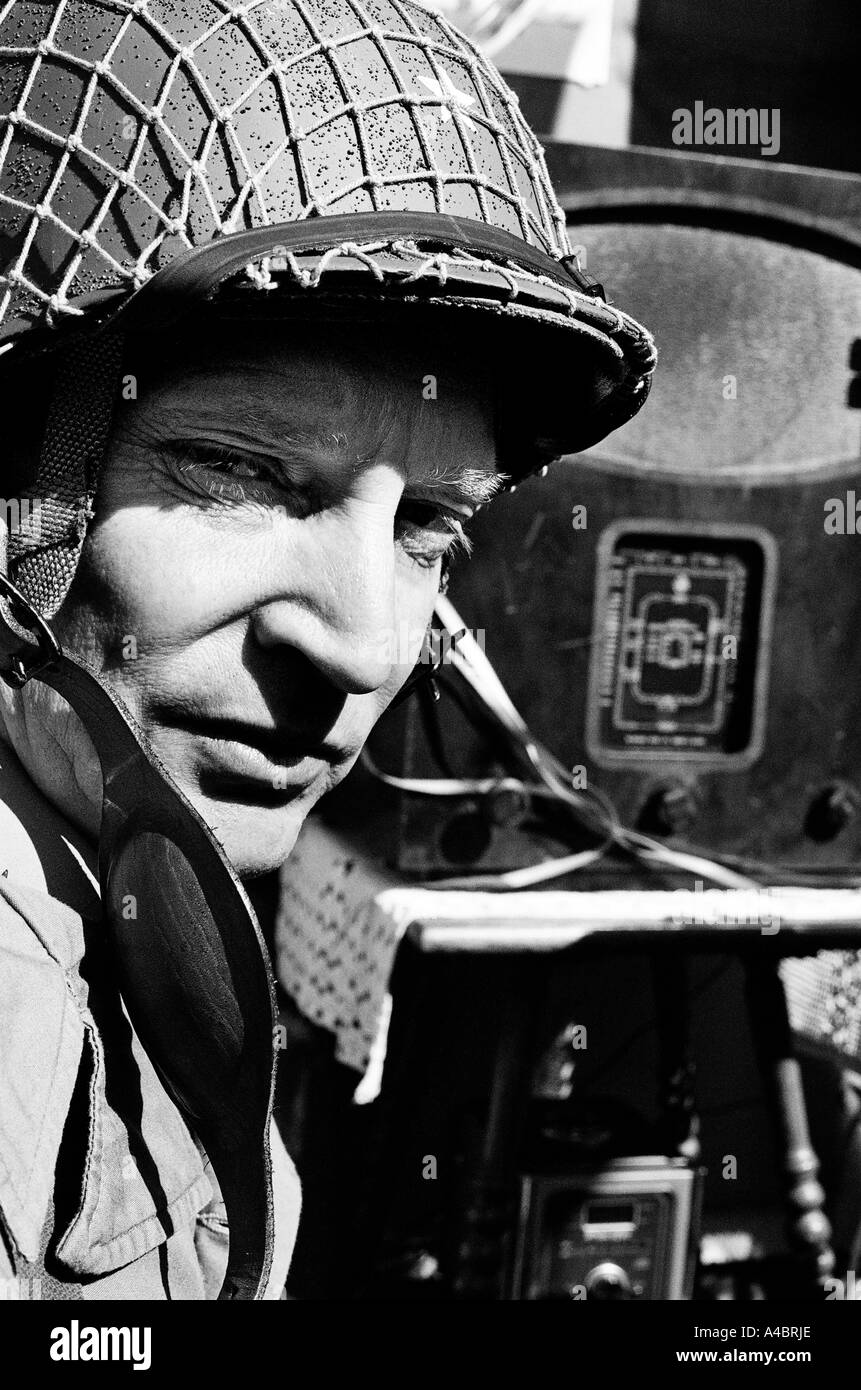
column 821, row 876
column 591, row 809
column 470, row 662
column 514, row 879
column 457, row 786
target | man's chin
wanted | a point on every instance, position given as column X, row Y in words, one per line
column 256, row 839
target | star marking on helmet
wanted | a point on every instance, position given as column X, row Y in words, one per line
column 448, row 96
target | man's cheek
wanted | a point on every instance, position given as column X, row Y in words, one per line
column 154, row 578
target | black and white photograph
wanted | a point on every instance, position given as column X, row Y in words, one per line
column 430, row 676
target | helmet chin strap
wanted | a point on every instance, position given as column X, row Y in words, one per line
column 19, row 649
column 191, row 964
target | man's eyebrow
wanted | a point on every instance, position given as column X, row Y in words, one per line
column 473, row 485
column 318, row 446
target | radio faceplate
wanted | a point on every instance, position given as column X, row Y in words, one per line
column 680, row 644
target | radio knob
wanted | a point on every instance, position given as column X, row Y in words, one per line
column 608, row 1281
column 669, row 810
column 831, row 811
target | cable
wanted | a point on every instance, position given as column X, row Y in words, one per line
column 469, row 661
column 456, row 786
column 510, row 880
column 591, row 809
column 774, row 874
column 524, row 878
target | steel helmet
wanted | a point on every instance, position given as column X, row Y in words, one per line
column 160, row 160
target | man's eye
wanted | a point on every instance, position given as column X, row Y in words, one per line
column 228, row 476
column 224, row 461
column 427, row 532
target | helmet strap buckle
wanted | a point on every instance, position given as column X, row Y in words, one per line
column 26, row 659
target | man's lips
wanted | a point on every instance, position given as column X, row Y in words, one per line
column 254, row 750
column 278, row 745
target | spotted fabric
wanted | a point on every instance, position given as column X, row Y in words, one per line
column 134, row 131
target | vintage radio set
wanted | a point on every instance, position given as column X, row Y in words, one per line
column 676, row 611
column 625, row 1231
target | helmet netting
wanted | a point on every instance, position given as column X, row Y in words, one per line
column 135, row 131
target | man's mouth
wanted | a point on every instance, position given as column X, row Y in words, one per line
column 278, row 746
column 234, row 753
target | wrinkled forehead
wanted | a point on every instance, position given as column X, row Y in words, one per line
column 372, row 393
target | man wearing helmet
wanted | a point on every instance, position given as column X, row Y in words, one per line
column 286, row 296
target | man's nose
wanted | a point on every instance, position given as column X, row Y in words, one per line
column 335, row 600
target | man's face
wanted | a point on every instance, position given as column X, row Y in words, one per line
column 269, row 530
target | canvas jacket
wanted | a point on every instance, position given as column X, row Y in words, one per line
column 97, row 1165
